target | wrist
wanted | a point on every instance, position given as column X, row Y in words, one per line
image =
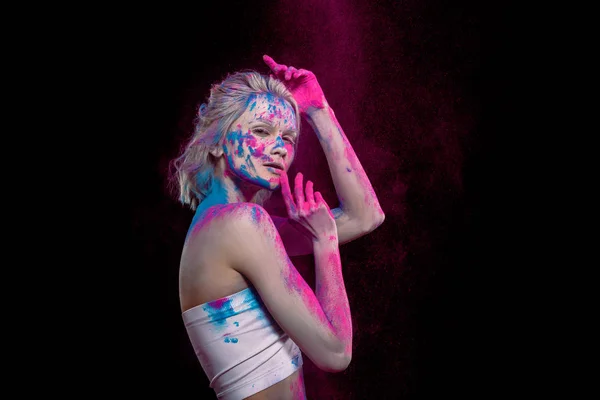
column 326, row 241
column 317, row 110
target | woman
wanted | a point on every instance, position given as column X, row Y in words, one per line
column 248, row 312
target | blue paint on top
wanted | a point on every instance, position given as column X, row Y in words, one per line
column 234, row 340
column 295, row 360
column 218, row 311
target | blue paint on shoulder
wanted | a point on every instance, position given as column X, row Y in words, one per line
column 255, row 214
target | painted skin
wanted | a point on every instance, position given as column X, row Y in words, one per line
column 243, row 174
column 359, row 212
column 265, row 133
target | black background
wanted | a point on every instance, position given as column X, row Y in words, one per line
column 422, row 90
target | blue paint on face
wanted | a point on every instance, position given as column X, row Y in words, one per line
column 237, row 136
column 250, row 163
column 257, row 179
column 230, row 340
column 251, row 98
column 270, row 97
column 236, row 323
column 279, row 143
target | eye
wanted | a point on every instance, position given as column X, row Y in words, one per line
column 260, row 131
column 289, row 139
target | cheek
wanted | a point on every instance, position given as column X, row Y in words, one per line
column 291, row 150
column 258, row 149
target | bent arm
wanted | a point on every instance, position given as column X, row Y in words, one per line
column 319, row 323
column 359, row 211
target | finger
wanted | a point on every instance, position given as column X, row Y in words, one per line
column 289, row 72
column 276, row 68
column 299, row 191
column 286, row 193
column 320, row 201
column 280, row 69
column 310, row 197
column 270, row 62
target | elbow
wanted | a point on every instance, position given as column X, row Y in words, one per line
column 343, row 361
column 374, row 222
column 337, row 363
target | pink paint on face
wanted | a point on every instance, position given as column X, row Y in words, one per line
column 266, row 132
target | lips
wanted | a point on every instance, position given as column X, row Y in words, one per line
column 274, row 165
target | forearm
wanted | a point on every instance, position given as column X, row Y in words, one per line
column 355, row 193
column 331, row 291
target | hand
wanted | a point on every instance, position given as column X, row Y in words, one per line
column 310, row 214
column 301, row 83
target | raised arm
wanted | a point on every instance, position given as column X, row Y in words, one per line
column 319, row 323
column 359, row 211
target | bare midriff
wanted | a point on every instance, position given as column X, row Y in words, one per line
column 291, row 388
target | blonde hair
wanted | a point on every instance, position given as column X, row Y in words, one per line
column 192, row 172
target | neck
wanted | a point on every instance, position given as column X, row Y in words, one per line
column 227, row 188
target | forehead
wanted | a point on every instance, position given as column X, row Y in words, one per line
column 269, row 108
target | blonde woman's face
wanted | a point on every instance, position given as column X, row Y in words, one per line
column 262, row 141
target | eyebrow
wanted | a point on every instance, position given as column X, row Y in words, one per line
column 266, row 121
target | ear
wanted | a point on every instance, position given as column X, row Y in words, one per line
column 216, row 151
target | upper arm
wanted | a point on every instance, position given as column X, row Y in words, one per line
column 255, row 250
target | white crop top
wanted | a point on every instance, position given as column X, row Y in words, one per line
column 240, row 346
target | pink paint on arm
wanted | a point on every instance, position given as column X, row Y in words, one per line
column 297, row 387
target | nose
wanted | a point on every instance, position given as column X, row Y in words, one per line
column 279, row 148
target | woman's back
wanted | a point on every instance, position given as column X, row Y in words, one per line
column 240, row 346
column 204, row 273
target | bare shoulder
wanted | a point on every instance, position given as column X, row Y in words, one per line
column 215, row 243
column 245, row 223
column 224, row 228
